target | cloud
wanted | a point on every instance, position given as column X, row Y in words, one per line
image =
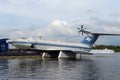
column 59, row 29
column 58, row 23
column 57, row 18
column 49, row 10
column 55, row 28
column 52, row 9
column 108, row 24
column 62, row 27
column 111, row 29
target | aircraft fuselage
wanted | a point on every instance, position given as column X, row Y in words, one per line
column 50, row 45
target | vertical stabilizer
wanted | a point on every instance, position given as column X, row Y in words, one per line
column 90, row 39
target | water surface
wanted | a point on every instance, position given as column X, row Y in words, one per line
column 92, row 68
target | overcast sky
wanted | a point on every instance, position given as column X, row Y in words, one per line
column 53, row 19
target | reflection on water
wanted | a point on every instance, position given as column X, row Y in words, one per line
column 94, row 68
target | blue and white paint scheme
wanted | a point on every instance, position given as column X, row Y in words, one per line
column 83, row 47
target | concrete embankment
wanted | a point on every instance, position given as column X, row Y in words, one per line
column 18, row 52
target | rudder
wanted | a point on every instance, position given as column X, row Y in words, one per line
column 90, row 39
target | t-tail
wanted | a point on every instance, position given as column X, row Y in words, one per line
column 91, row 38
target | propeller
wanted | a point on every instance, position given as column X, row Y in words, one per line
column 81, row 29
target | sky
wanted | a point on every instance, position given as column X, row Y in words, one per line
column 54, row 19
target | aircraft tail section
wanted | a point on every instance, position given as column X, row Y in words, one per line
column 90, row 39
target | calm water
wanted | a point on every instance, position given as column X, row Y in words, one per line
column 92, row 68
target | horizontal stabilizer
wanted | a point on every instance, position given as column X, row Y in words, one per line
column 91, row 38
column 105, row 34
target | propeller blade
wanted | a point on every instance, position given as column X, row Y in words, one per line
column 78, row 28
column 82, row 33
column 81, row 29
column 81, row 26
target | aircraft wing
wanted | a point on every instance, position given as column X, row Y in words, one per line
column 76, row 52
column 79, row 52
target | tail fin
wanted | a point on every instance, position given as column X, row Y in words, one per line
column 3, row 45
column 90, row 39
